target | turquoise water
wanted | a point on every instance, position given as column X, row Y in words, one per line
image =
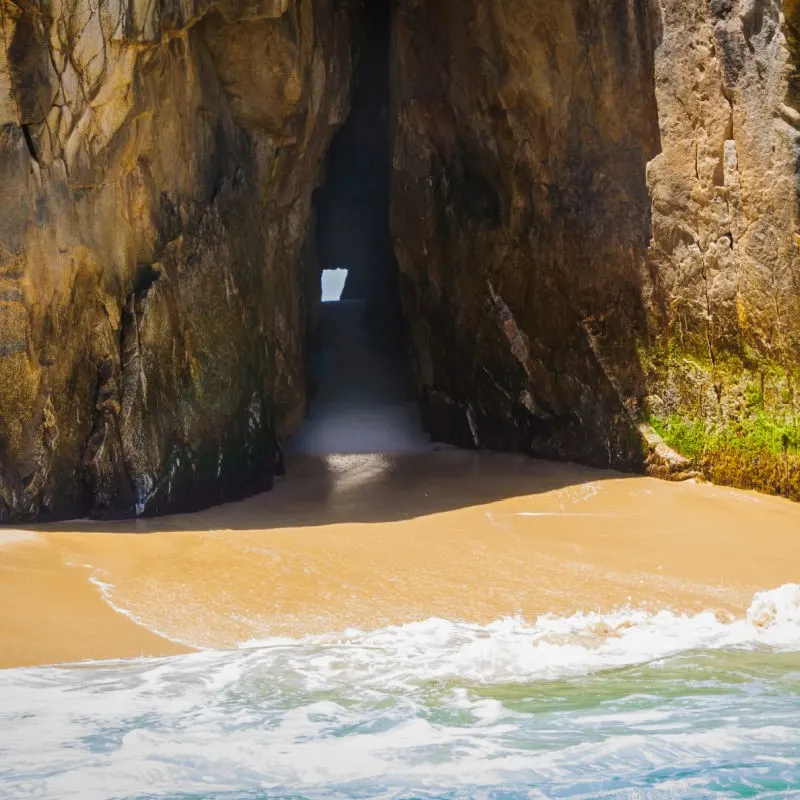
column 664, row 707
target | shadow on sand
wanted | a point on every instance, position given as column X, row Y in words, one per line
column 362, row 455
column 370, row 488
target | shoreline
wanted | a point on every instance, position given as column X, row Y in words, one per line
column 54, row 614
column 367, row 541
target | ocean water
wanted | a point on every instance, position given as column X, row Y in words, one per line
column 627, row 705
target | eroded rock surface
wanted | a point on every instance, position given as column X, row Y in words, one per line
column 157, row 164
column 605, row 263
column 594, row 210
column 723, row 346
column 521, row 217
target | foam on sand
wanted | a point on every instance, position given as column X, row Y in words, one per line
column 702, row 707
column 514, row 650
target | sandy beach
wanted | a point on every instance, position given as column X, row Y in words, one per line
column 364, row 541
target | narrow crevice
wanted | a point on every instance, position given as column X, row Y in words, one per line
column 146, row 276
column 353, row 204
column 31, row 145
column 358, row 370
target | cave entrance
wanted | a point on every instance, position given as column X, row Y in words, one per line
column 360, row 388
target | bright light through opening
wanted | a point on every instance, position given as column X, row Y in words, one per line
column 333, row 284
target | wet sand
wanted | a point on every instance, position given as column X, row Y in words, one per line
column 366, row 540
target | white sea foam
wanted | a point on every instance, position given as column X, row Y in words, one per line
column 107, row 593
column 777, row 610
column 431, row 704
column 513, row 649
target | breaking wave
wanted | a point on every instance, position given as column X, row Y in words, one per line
column 624, row 705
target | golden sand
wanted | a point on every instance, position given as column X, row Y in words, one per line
column 366, row 541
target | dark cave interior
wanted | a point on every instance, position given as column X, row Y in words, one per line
column 360, row 387
column 352, row 206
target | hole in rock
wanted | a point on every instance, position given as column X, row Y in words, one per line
column 333, row 281
column 358, row 372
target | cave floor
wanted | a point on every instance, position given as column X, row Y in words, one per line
column 362, row 403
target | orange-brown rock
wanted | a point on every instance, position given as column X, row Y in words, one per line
column 156, row 168
column 595, row 213
column 594, row 210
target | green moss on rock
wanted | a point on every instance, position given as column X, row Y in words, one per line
column 757, row 433
column 735, row 417
column 685, row 436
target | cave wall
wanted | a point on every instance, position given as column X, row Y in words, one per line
column 595, row 215
column 594, row 211
column 521, row 218
column 157, row 162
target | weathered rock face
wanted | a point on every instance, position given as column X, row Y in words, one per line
column 723, row 346
column 595, row 213
column 157, row 162
column 521, row 218
column 594, row 209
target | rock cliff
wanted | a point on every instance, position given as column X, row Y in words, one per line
column 594, row 211
column 722, row 349
column 605, row 266
column 156, row 164
column 521, row 218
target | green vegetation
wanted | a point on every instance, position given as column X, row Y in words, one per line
column 757, row 451
column 756, row 433
column 736, row 418
column 687, row 437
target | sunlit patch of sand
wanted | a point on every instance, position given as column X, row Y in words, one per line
column 365, row 541
column 52, row 613
column 15, row 536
